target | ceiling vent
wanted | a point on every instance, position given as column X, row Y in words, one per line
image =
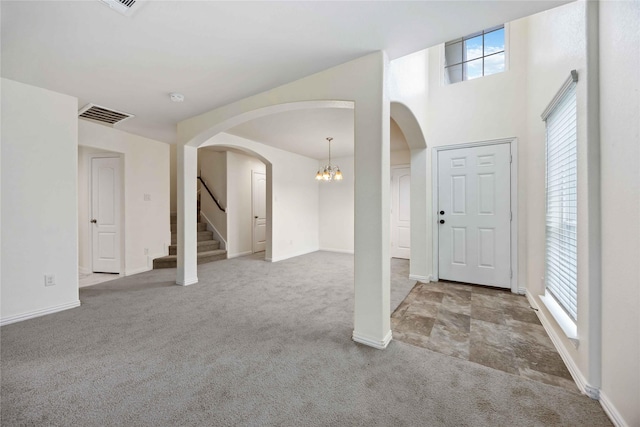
column 124, row 7
column 103, row 115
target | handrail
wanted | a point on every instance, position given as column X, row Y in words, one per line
column 211, row 194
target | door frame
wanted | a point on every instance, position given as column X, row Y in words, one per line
column 513, row 142
column 120, row 157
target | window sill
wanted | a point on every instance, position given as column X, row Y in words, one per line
column 565, row 322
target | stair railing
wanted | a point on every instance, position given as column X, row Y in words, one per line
column 211, row 194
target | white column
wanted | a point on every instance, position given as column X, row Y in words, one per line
column 187, row 165
column 420, row 265
column 372, row 214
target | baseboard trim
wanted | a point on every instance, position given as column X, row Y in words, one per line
column 282, row 258
column 580, row 380
column 420, row 278
column 522, row 291
column 38, row 313
column 372, row 342
column 187, row 282
column 239, row 254
column 137, row 270
column 84, row 270
column 611, row 411
column 216, row 233
column 338, row 251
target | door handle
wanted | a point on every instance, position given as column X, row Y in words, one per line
column 93, row 221
column 442, row 221
column 256, row 217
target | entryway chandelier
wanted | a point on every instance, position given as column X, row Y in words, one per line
column 329, row 172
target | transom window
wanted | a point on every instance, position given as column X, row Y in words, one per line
column 476, row 55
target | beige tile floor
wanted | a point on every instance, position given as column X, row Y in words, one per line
column 489, row 326
column 95, row 278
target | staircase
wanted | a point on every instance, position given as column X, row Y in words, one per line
column 208, row 249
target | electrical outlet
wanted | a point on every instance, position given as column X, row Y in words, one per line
column 146, row 251
column 49, row 279
column 147, row 197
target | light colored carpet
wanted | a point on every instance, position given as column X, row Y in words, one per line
column 254, row 343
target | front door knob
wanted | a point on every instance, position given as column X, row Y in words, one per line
column 93, row 221
column 442, row 221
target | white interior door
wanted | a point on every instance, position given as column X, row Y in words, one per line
column 105, row 214
column 400, row 213
column 259, row 194
column 474, row 215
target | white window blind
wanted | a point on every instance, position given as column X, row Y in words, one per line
column 561, row 216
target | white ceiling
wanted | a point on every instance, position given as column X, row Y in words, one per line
column 217, row 52
column 305, row 131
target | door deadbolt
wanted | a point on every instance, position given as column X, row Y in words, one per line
column 441, row 212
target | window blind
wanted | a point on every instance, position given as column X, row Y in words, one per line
column 561, row 200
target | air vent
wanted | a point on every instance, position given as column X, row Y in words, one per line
column 102, row 114
column 124, row 7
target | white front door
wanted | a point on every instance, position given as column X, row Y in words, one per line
column 474, row 215
column 105, row 214
column 259, row 194
column 400, row 213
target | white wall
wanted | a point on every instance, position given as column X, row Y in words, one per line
column 292, row 198
column 487, row 108
column 213, row 170
column 337, row 198
column 620, row 151
column 240, row 202
column 557, row 45
column 336, row 208
column 39, row 205
column 146, row 171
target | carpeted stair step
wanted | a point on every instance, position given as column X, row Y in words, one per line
column 174, row 219
column 170, row 261
column 201, row 227
column 202, row 235
column 204, row 246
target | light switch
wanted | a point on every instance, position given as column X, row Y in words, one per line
column 147, row 197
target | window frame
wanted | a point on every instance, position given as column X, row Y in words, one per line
column 444, row 81
column 565, row 319
column 462, row 63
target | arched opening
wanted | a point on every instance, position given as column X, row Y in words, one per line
column 203, row 138
column 278, row 168
column 420, row 232
column 361, row 83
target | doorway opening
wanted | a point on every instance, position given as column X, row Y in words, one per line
column 100, row 215
column 239, row 181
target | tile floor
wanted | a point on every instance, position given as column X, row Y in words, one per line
column 95, row 278
column 489, row 326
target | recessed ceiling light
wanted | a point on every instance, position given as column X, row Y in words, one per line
column 176, row 97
